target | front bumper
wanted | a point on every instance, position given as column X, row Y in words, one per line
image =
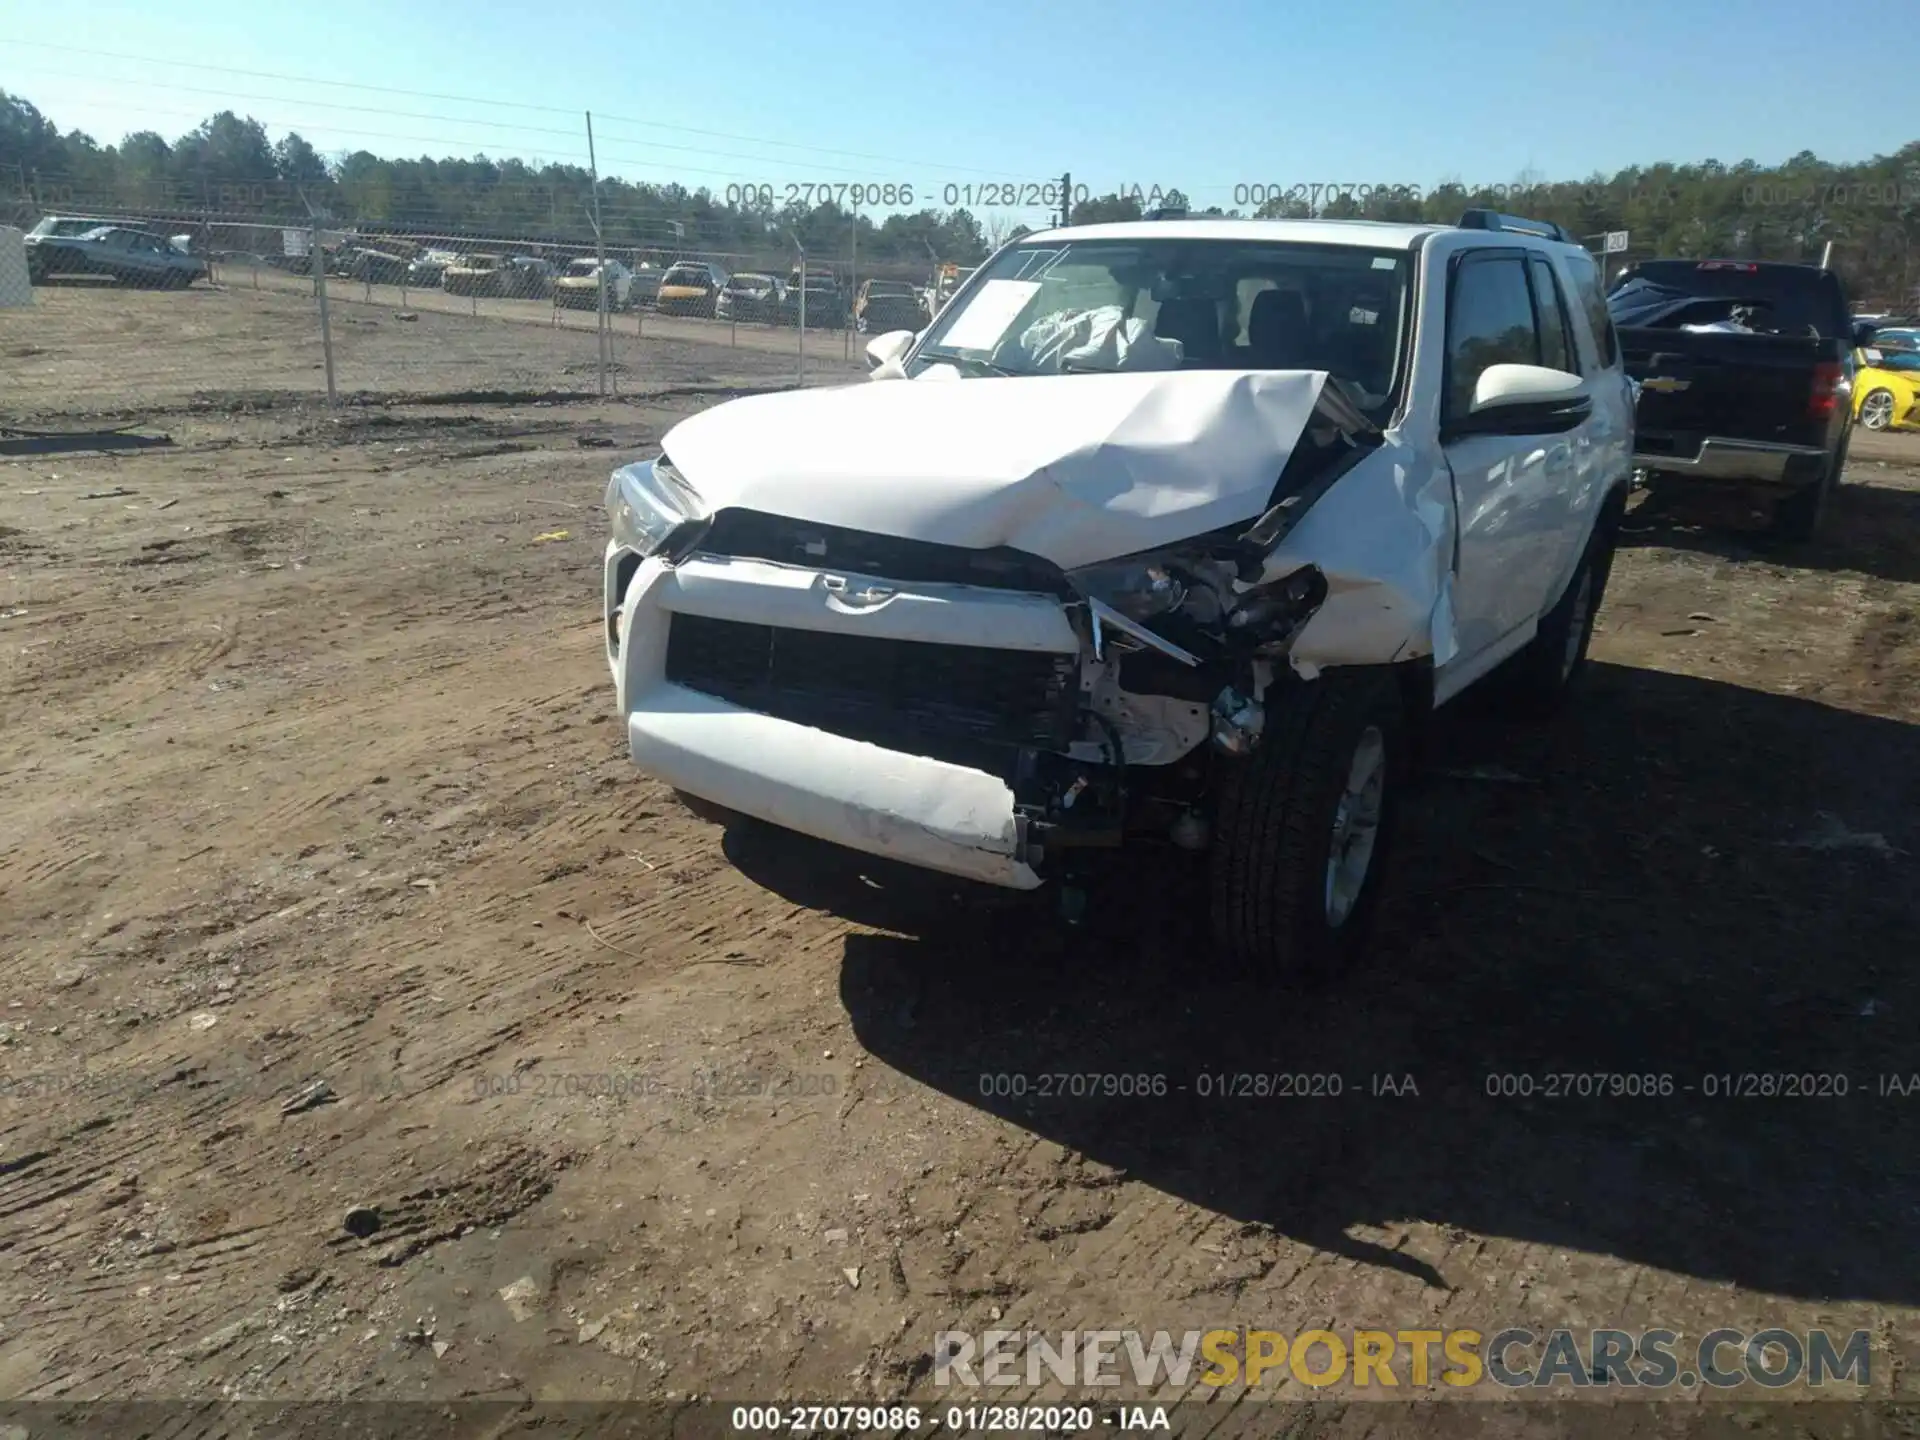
column 923, row 811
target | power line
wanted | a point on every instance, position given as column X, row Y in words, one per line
column 663, row 165
column 497, row 104
column 510, row 127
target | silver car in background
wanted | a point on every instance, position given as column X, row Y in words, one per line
column 130, row 256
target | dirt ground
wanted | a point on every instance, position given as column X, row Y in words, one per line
column 112, row 353
column 353, row 977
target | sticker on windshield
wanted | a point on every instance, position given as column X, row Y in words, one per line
column 988, row 315
column 1384, row 262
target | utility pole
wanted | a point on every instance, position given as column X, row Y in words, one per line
column 600, row 258
column 1066, row 199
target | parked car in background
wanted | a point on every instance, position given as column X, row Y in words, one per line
column 377, row 266
column 1743, row 371
column 1886, row 388
column 429, row 267
column 132, row 257
column 889, row 305
column 578, row 286
column 526, row 277
column 827, row 307
column 691, row 287
column 473, row 274
column 751, row 299
column 645, row 286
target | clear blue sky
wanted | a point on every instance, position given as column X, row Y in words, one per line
column 1206, row 96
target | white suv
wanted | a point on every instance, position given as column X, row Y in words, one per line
column 1170, row 527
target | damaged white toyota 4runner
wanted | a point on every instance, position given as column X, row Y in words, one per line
column 1170, row 528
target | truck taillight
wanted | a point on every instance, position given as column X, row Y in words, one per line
column 1827, row 380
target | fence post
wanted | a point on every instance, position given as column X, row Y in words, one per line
column 319, row 260
column 853, row 288
column 802, row 327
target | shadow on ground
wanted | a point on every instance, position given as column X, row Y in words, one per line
column 48, row 442
column 1872, row 529
column 1645, row 895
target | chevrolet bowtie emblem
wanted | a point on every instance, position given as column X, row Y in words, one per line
column 1665, row 385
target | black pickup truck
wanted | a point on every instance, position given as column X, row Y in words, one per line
column 1743, row 370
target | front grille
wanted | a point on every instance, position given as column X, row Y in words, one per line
column 946, row 701
column 755, row 535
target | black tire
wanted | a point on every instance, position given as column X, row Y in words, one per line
column 1273, row 896
column 1797, row 518
column 1537, row 680
column 1877, row 408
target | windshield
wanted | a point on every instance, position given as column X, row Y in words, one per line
column 1182, row 304
column 677, row 276
column 584, row 268
column 888, row 289
column 66, row 228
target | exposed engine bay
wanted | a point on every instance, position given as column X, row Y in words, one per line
column 1179, row 656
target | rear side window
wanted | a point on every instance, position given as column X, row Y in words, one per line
column 1550, row 312
column 1593, row 301
column 1489, row 322
column 1788, row 299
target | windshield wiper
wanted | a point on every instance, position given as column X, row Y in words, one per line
column 949, row 357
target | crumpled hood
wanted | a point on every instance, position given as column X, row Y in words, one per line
column 1075, row 469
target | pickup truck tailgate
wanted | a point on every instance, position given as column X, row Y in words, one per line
column 1748, row 387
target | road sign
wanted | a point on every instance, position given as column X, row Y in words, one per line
column 1616, row 242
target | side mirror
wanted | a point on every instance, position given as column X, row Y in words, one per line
column 1863, row 333
column 888, row 349
column 1524, row 400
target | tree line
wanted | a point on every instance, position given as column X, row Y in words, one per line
column 228, row 167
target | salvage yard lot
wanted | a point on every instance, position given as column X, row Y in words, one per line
column 312, row 775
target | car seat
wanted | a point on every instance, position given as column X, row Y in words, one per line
column 1195, row 323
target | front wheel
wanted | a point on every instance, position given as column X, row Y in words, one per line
column 1876, row 409
column 1302, row 829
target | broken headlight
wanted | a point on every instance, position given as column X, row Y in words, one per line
column 648, row 503
column 1192, row 577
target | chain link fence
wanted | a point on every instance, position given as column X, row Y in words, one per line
column 169, row 307
column 243, row 293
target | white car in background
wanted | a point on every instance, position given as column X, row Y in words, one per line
column 578, row 286
column 1172, row 528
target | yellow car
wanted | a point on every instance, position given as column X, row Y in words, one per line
column 692, row 287
column 1886, row 390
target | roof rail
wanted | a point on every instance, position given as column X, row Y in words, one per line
column 1514, row 225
